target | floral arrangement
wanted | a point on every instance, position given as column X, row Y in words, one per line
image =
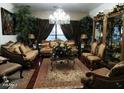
column 61, row 50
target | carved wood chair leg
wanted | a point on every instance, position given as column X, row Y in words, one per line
column 21, row 72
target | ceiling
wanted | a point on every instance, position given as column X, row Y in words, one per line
column 69, row 7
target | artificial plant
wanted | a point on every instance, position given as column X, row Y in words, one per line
column 25, row 23
column 86, row 26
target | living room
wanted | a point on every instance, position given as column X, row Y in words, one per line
column 61, row 46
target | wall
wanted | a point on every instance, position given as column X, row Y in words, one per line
column 45, row 14
column 104, row 7
column 6, row 38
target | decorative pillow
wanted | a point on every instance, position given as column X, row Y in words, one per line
column 28, row 48
column 12, row 48
column 17, row 50
column 23, row 48
column 45, row 44
column 53, row 43
column 8, row 45
column 70, row 43
column 117, row 70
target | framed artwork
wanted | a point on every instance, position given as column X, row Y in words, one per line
column 7, row 22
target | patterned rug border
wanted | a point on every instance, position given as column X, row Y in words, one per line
column 44, row 70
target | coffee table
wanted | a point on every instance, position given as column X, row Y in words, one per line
column 62, row 61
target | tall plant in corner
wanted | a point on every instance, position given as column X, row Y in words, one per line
column 24, row 23
column 86, row 26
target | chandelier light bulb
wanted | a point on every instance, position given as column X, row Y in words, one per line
column 59, row 17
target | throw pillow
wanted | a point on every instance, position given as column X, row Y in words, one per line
column 23, row 48
column 17, row 50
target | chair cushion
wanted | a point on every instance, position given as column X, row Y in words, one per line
column 8, row 68
column 87, row 54
column 117, row 70
column 102, row 71
column 93, row 58
column 31, row 55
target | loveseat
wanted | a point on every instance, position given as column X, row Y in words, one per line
column 19, row 53
column 47, row 46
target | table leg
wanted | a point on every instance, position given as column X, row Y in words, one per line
column 51, row 65
column 73, row 64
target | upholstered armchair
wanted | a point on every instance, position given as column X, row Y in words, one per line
column 93, row 50
column 96, row 59
column 104, row 78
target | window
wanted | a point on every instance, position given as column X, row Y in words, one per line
column 60, row 34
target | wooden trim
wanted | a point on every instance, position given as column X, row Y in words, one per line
column 115, row 14
column 122, row 44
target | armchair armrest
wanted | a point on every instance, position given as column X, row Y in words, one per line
column 99, row 81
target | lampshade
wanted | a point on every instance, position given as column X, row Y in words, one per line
column 83, row 36
column 31, row 36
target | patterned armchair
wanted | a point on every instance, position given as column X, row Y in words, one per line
column 104, row 78
column 96, row 59
column 93, row 50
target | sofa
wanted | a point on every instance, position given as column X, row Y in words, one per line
column 46, row 47
column 19, row 53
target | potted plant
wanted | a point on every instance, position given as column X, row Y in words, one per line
column 25, row 23
column 86, row 26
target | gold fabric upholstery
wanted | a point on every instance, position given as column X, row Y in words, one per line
column 101, row 50
column 102, row 71
column 46, row 50
column 70, row 43
column 31, row 55
column 93, row 58
column 93, row 47
column 53, row 43
column 93, row 50
column 87, row 54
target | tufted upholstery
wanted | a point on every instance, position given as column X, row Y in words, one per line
column 31, row 55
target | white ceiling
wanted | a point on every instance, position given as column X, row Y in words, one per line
column 69, row 7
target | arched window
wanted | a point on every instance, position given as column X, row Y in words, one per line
column 60, row 34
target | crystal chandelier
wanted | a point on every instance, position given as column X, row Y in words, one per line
column 59, row 17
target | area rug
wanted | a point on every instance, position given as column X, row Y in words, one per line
column 62, row 76
column 17, row 83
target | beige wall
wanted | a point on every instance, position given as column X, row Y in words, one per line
column 45, row 14
column 6, row 38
